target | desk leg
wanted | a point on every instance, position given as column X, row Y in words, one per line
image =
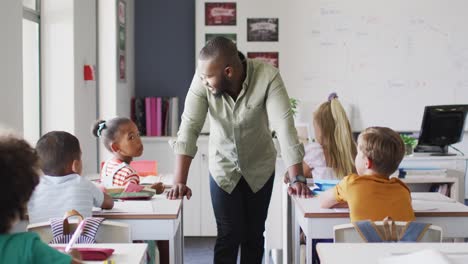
column 309, row 250
column 296, row 247
column 172, row 254
column 176, row 245
column 266, row 255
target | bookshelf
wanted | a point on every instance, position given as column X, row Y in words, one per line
column 424, row 183
column 455, row 167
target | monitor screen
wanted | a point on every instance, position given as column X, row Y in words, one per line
column 442, row 125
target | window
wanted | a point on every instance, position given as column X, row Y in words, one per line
column 31, row 71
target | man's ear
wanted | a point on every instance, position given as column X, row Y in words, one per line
column 228, row 71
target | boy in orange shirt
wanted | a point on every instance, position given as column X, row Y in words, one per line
column 371, row 194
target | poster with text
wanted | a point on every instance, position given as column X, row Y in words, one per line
column 121, row 40
column 262, row 29
column 122, row 66
column 220, row 14
column 268, row 57
column 121, row 11
column 210, row 36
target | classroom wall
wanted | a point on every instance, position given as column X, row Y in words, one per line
column 114, row 95
column 11, row 73
column 68, row 43
column 164, row 48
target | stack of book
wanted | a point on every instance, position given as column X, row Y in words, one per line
column 422, row 172
column 156, row 116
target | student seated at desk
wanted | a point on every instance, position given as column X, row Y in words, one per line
column 121, row 137
column 332, row 156
column 19, row 174
column 63, row 188
column 371, row 194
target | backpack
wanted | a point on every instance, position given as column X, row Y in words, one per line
column 412, row 232
column 61, row 229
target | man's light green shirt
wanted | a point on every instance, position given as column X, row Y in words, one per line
column 240, row 142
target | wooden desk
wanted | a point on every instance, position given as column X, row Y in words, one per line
column 370, row 253
column 123, row 253
column 433, row 208
column 155, row 219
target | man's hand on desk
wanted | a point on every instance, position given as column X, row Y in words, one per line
column 299, row 189
column 178, row 191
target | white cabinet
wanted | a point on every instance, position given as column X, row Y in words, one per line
column 456, row 171
column 198, row 212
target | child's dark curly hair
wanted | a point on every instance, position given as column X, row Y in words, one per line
column 19, row 172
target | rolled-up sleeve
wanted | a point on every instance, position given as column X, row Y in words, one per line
column 193, row 118
column 282, row 122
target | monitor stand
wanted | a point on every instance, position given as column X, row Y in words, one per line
column 433, row 150
column 442, row 154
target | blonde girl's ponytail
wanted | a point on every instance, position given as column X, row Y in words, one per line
column 344, row 139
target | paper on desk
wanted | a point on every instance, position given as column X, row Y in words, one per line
column 419, row 205
column 426, row 256
column 130, row 207
column 165, row 178
column 341, row 210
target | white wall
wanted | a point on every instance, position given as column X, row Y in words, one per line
column 114, row 96
column 85, row 52
column 303, row 27
column 11, row 89
column 68, row 43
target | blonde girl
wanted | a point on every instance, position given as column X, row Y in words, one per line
column 332, row 155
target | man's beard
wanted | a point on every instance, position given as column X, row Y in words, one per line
column 224, row 86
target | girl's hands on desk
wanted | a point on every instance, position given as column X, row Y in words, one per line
column 178, row 191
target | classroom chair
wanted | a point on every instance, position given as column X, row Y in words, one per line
column 143, row 167
column 108, row 232
column 346, row 233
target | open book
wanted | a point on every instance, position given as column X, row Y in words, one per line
column 322, row 185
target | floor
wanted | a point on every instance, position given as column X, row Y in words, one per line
column 199, row 250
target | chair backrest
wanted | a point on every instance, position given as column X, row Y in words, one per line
column 143, row 167
column 346, row 233
column 108, row 232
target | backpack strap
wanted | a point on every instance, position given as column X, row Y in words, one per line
column 368, row 231
column 56, row 224
column 91, row 227
column 414, row 232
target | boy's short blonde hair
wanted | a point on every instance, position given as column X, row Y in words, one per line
column 384, row 147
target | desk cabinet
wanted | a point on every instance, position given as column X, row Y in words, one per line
column 456, row 171
column 198, row 212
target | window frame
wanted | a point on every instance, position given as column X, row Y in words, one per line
column 35, row 16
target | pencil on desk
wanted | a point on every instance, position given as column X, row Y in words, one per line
column 109, row 261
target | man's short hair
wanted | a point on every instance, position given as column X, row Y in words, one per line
column 218, row 47
column 384, row 147
column 57, row 150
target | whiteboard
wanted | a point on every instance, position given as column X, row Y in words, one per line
column 388, row 58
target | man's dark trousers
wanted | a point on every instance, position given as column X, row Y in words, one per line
column 240, row 218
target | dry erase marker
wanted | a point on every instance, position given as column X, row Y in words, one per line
column 75, row 236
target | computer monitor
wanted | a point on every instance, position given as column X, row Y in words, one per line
column 442, row 126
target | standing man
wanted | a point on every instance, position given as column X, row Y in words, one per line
column 244, row 98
